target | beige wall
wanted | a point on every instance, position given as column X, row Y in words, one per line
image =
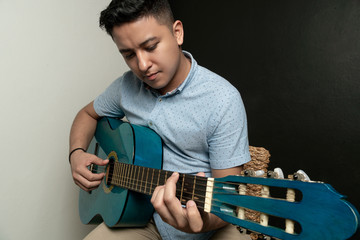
column 53, row 60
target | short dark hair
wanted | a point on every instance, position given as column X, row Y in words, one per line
column 124, row 11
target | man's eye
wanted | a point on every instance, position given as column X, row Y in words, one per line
column 129, row 56
column 152, row 47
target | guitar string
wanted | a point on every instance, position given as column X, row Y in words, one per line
column 121, row 183
column 144, row 185
column 135, row 186
column 235, row 185
column 203, row 185
column 131, row 184
column 214, row 202
column 142, row 189
column 215, row 181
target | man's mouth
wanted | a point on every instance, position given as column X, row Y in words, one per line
column 151, row 76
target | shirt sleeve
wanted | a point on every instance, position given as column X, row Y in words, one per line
column 228, row 143
column 108, row 103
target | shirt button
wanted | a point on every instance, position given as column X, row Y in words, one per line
column 150, row 124
column 160, row 99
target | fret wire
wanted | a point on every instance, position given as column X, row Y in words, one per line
column 136, row 176
column 158, row 178
column 114, row 174
column 182, row 187
column 163, row 177
column 147, row 175
column 142, row 177
column 152, row 178
column 132, row 176
column 139, row 169
column 143, row 182
column 146, row 178
column 123, row 174
column 116, row 170
column 123, row 167
column 119, row 171
column 126, row 183
column 128, row 175
column 193, row 188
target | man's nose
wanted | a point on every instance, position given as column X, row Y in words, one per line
column 144, row 62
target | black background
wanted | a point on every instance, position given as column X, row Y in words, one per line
column 297, row 66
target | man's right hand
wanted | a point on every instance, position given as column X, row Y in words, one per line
column 82, row 176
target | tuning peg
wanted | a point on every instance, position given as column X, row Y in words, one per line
column 277, row 173
column 301, row 175
column 259, row 173
column 252, row 173
column 263, row 237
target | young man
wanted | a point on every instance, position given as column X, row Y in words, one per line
column 199, row 115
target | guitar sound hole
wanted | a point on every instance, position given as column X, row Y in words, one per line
column 110, row 171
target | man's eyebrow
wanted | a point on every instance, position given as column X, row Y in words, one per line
column 141, row 45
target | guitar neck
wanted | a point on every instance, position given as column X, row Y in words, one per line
column 144, row 180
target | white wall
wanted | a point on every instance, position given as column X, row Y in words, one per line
column 53, row 60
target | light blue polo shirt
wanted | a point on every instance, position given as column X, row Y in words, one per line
column 202, row 123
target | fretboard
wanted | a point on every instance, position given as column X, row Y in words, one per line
column 145, row 180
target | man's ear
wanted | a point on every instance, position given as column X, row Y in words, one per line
column 178, row 32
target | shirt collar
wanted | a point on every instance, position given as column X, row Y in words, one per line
column 191, row 74
column 189, row 77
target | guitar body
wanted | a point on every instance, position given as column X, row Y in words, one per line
column 122, row 142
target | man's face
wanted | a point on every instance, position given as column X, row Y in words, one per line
column 152, row 52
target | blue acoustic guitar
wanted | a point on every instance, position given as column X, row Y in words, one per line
column 134, row 170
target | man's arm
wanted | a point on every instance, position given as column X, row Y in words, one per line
column 187, row 219
column 82, row 131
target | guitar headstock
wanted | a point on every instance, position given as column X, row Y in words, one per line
column 292, row 208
